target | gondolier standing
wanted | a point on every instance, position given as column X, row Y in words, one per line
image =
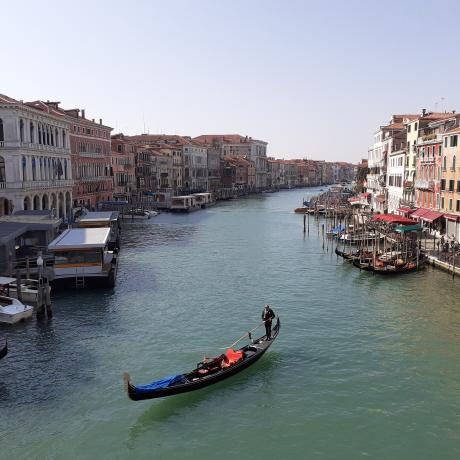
column 267, row 316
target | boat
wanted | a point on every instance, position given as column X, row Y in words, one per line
column 204, row 200
column 29, row 290
column 4, row 350
column 184, row 203
column 138, row 214
column 363, row 265
column 12, row 310
column 302, row 210
column 206, row 373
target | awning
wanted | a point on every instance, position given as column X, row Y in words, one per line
column 408, row 228
column 454, row 217
column 393, row 219
column 431, row 216
column 405, row 210
column 380, row 198
column 420, row 212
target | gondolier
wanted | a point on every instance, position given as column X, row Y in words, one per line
column 267, row 316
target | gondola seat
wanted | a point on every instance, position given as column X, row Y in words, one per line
column 232, row 357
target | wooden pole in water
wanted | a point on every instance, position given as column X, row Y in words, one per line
column 322, row 228
column 304, row 223
column 49, row 311
column 18, row 285
column 308, row 223
column 27, row 267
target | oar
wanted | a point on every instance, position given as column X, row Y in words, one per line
column 248, row 334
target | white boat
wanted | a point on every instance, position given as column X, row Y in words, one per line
column 204, row 200
column 12, row 310
column 29, row 290
column 138, row 214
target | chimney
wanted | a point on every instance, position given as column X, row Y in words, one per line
column 83, row 113
column 92, row 120
column 423, row 112
column 100, row 121
column 453, row 111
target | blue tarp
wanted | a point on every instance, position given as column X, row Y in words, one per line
column 163, row 383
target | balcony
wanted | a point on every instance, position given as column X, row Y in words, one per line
column 31, row 146
column 90, row 155
column 429, row 139
column 37, row 184
column 423, row 184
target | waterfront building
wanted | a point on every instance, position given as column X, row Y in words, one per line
column 146, row 174
column 35, row 164
column 90, row 148
column 237, row 145
column 195, row 175
column 450, row 182
column 123, row 153
column 175, row 174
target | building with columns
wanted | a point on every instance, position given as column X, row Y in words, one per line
column 35, row 168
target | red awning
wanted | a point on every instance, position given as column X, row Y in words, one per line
column 454, row 217
column 431, row 216
column 406, row 210
column 352, row 199
column 380, row 198
column 365, row 194
column 420, row 212
column 393, row 219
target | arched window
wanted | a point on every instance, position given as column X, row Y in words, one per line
column 47, row 135
column 21, row 130
column 24, row 167
column 65, row 169
column 32, row 133
column 2, row 170
column 453, row 163
column 2, row 137
column 63, row 138
column 56, row 137
column 34, row 169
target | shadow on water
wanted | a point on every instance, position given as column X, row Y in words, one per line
column 169, row 408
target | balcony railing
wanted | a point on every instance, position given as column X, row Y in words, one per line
column 424, row 184
column 33, row 146
column 36, row 184
column 429, row 139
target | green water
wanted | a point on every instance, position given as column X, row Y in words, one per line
column 365, row 366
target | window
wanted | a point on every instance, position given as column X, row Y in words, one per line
column 440, row 150
column 32, row 133
column 453, row 163
column 444, row 163
column 451, row 185
column 442, row 202
column 458, row 206
column 2, row 170
column 458, row 186
column 445, row 142
column 453, row 141
column 408, row 128
column 21, row 130
column 450, row 204
column 2, row 138
column 443, row 184
column 415, row 126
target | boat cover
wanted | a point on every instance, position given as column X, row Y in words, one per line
column 233, row 356
column 163, row 383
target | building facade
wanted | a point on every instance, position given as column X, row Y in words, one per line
column 35, row 165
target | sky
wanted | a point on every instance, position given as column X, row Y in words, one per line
column 313, row 79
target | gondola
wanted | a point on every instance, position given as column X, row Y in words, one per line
column 398, row 269
column 206, row 373
column 345, row 255
column 4, row 350
column 363, row 265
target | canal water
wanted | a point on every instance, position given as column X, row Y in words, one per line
column 364, row 366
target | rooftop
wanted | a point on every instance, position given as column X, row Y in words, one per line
column 81, row 238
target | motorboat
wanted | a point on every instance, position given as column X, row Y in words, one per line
column 29, row 290
column 12, row 310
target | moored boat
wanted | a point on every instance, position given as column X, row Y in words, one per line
column 206, row 373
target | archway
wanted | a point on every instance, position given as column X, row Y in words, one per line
column 45, row 201
column 54, row 203
column 26, row 204
column 61, row 205
column 68, row 204
column 36, row 203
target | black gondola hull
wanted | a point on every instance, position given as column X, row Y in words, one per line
column 261, row 345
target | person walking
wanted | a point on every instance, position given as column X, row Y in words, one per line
column 267, row 317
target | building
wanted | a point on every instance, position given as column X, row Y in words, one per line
column 123, row 160
column 35, row 164
column 235, row 145
column 90, row 148
column 450, row 183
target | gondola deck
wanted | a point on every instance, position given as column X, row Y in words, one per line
column 193, row 380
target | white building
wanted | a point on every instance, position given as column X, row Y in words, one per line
column 195, row 176
column 35, row 170
column 395, row 177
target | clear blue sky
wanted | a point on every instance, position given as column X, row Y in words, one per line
column 314, row 79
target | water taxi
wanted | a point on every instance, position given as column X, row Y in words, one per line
column 185, row 203
column 82, row 255
column 204, row 200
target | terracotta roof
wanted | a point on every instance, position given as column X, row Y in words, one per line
column 455, row 129
column 7, row 100
column 394, row 126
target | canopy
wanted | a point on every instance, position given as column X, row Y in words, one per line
column 405, row 210
column 408, row 228
column 393, row 219
column 163, row 383
column 454, row 217
column 420, row 212
column 428, row 215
